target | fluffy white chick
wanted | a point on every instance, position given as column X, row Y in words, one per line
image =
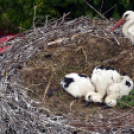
column 113, row 75
column 77, row 85
column 118, row 90
column 97, row 76
column 92, row 96
column 102, row 78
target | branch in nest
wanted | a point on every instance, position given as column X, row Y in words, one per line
column 63, row 18
column 95, row 10
column 58, row 41
column 34, row 18
column 47, row 88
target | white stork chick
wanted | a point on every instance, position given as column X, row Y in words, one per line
column 98, row 76
column 118, row 90
column 77, row 85
column 102, row 78
column 128, row 27
column 99, row 79
column 92, row 96
column 113, row 75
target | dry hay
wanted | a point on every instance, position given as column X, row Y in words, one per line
column 32, row 100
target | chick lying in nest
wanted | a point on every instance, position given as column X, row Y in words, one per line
column 104, row 82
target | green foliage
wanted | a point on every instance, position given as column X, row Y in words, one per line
column 20, row 12
column 127, row 100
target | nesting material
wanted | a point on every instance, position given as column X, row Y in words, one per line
column 19, row 115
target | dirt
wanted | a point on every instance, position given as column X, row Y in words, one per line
column 82, row 56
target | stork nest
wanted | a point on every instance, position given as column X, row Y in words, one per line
column 32, row 100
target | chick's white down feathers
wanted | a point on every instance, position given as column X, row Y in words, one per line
column 118, row 90
column 77, row 85
column 104, row 82
column 102, row 78
column 92, row 96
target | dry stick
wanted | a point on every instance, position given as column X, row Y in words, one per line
column 115, row 39
column 119, row 117
column 47, row 87
column 81, row 48
column 28, row 89
column 95, row 9
column 102, row 17
column 35, row 65
column 101, row 5
column 103, row 38
column 103, row 30
column 34, row 19
column 63, row 18
column 46, row 21
column 64, row 15
column 39, row 20
column 3, row 126
column 30, row 113
column 109, row 9
column 4, row 44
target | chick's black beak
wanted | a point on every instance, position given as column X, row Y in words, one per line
column 87, row 104
column 105, row 107
column 102, row 103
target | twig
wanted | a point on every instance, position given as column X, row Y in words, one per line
column 118, row 117
column 115, row 38
column 27, row 89
column 103, row 38
column 109, row 9
column 46, row 21
column 34, row 18
column 47, row 88
column 58, row 41
column 35, row 65
column 95, row 9
column 63, row 18
column 39, row 20
column 81, row 48
column 101, row 5
column 5, row 44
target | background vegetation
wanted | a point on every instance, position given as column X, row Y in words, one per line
column 19, row 13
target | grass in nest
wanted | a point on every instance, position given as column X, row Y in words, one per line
column 127, row 100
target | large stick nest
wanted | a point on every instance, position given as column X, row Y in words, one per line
column 31, row 101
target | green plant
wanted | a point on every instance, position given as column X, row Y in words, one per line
column 127, row 100
column 20, row 12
